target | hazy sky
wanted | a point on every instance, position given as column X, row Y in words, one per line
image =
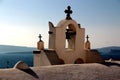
column 22, row 20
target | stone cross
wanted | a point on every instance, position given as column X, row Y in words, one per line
column 40, row 36
column 68, row 11
column 87, row 37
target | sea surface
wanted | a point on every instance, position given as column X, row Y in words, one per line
column 9, row 60
column 111, row 56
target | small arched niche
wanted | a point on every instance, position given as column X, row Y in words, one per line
column 70, row 37
column 79, row 61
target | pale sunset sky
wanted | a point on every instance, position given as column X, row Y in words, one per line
column 21, row 21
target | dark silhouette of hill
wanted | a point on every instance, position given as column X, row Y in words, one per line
column 108, row 49
column 110, row 52
column 10, row 48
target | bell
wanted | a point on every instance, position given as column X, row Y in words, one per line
column 68, row 36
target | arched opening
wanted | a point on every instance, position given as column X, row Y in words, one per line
column 79, row 61
column 70, row 37
column 67, row 38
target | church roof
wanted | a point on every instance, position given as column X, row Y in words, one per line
column 106, row 71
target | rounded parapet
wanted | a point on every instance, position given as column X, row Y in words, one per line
column 21, row 65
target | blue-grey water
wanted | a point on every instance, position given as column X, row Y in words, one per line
column 9, row 60
column 113, row 56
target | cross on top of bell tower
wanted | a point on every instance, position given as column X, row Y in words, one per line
column 68, row 11
column 87, row 37
column 40, row 37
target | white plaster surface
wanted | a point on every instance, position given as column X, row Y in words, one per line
column 21, row 65
column 94, row 71
column 41, row 59
column 58, row 38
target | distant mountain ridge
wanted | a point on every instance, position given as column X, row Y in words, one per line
column 108, row 49
column 10, row 48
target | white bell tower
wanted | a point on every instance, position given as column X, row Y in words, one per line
column 66, row 45
column 67, row 32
